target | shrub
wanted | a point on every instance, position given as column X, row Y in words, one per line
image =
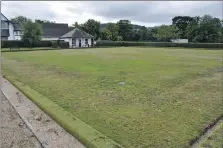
column 43, row 44
column 2, row 44
column 55, row 44
column 160, row 44
column 8, row 44
column 63, row 44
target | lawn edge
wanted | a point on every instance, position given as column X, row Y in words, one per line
column 214, row 129
column 206, row 132
column 86, row 134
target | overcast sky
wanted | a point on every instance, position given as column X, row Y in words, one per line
column 148, row 13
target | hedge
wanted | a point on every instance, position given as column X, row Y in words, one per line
column 8, row 44
column 55, row 44
column 159, row 44
column 63, row 44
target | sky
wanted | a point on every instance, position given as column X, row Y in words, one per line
column 147, row 13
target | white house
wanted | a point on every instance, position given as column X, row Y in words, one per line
column 78, row 38
column 9, row 31
column 51, row 32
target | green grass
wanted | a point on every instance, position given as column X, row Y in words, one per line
column 169, row 96
column 215, row 140
column 83, row 132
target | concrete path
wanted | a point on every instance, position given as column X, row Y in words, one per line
column 49, row 133
column 14, row 132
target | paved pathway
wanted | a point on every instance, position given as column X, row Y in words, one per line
column 48, row 132
column 14, row 132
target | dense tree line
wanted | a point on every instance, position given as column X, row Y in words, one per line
column 205, row 29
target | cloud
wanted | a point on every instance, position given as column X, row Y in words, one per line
column 147, row 13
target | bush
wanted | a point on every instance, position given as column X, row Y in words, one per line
column 8, row 44
column 55, row 44
column 160, row 44
column 2, row 44
column 63, row 44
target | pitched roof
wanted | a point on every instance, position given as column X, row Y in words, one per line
column 4, row 16
column 77, row 33
column 54, row 29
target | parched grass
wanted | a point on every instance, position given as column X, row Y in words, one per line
column 215, row 140
column 168, row 97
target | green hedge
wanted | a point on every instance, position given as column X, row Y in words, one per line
column 8, row 44
column 160, row 44
column 63, row 44
column 55, row 44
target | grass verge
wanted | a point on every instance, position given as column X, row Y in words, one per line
column 83, row 132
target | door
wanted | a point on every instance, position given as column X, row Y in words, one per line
column 92, row 42
column 80, row 43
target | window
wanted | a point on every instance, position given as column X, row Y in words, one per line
column 86, row 41
column 4, row 25
column 73, row 42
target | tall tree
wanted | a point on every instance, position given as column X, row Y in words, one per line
column 92, row 27
column 181, row 22
column 76, row 25
column 143, row 33
column 136, row 35
column 166, row 33
column 111, row 30
column 32, row 32
column 104, row 35
column 44, row 21
column 205, row 29
column 151, row 32
column 20, row 19
column 124, row 29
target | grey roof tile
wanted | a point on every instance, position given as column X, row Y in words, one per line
column 76, row 33
column 54, row 30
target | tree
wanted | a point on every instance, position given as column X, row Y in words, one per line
column 205, row 29
column 76, row 25
column 20, row 20
column 119, row 38
column 104, row 35
column 92, row 27
column 151, row 34
column 111, row 31
column 166, row 33
column 32, row 32
column 181, row 22
column 135, row 36
column 125, row 29
column 44, row 21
